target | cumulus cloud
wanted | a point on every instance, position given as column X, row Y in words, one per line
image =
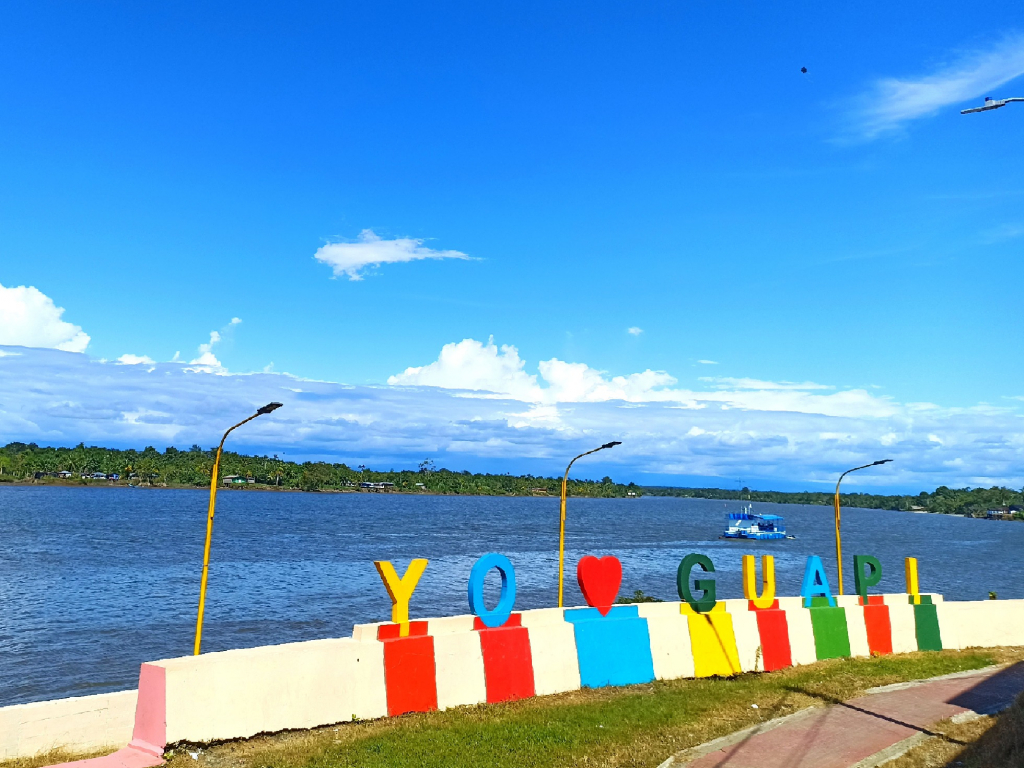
column 484, row 370
column 207, row 361
column 29, row 318
column 130, row 359
column 890, row 103
column 792, row 434
column 472, row 365
column 206, row 357
column 370, row 250
column 634, row 331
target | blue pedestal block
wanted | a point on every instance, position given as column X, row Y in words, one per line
column 613, row 649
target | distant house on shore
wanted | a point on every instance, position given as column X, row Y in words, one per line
column 64, row 475
column 237, row 480
column 377, row 487
column 1003, row 513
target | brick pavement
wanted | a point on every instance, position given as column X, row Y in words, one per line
column 847, row 732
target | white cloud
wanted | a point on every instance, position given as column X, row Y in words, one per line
column 634, row 330
column 206, row 357
column 802, row 436
column 892, row 102
column 207, row 361
column 725, row 382
column 486, row 371
column 371, row 251
column 130, row 359
column 1002, row 233
column 471, row 365
column 29, row 318
column 708, row 362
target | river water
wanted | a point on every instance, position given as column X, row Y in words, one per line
column 94, row 581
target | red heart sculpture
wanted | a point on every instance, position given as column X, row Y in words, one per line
column 599, row 580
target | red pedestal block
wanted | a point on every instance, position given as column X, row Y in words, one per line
column 410, row 676
column 394, row 631
column 508, row 663
column 876, row 619
column 773, row 629
column 514, row 620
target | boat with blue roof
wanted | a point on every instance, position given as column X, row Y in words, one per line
column 748, row 525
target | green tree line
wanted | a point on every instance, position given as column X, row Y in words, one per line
column 959, row 501
column 192, row 468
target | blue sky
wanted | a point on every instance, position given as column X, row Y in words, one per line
column 837, row 245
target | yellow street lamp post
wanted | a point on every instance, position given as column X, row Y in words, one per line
column 839, row 541
column 269, row 407
column 561, row 526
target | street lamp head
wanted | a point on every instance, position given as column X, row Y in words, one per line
column 883, row 461
column 268, row 408
column 611, row 444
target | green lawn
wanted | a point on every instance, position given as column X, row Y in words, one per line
column 634, row 726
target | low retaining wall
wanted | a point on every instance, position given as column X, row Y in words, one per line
column 82, row 724
column 457, row 661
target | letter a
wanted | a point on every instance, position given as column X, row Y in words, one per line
column 767, row 598
column 400, row 589
column 815, row 582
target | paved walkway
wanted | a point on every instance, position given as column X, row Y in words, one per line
column 849, row 732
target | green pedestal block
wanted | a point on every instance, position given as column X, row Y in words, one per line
column 831, row 636
column 926, row 625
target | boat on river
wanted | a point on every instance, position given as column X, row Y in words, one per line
column 748, row 525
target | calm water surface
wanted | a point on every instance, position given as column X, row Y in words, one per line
column 94, row 581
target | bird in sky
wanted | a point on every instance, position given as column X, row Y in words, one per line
column 990, row 103
column 804, row 70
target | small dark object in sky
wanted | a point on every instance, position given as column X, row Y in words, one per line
column 804, row 70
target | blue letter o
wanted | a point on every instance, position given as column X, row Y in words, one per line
column 503, row 609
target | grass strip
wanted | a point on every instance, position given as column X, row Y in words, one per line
column 633, row 726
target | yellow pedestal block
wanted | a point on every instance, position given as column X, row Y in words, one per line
column 714, row 644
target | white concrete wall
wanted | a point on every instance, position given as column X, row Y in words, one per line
column 556, row 667
column 450, row 624
column 79, row 724
column 981, row 623
column 857, row 630
column 801, row 636
column 538, row 616
column 236, row 694
column 748, row 640
column 670, row 645
column 658, row 610
column 459, row 665
column 904, row 628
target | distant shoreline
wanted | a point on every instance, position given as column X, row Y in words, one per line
column 367, row 492
column 273, row 489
